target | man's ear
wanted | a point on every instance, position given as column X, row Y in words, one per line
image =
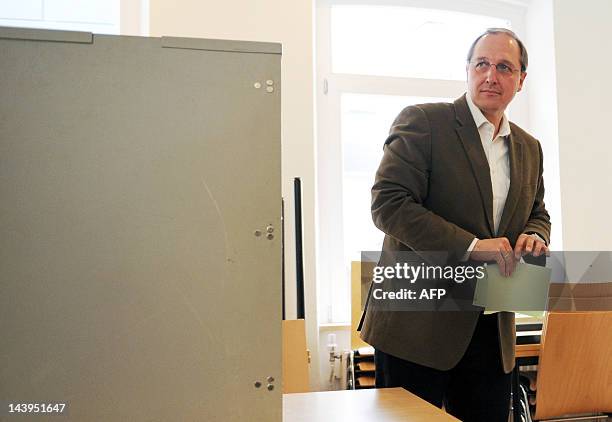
column 521, row 80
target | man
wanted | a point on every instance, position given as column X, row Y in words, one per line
column 462, row 179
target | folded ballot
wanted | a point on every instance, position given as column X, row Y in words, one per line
column 525, row 291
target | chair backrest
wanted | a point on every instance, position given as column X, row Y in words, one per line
column 575, row 366
column 361, row 277
column 295, row 357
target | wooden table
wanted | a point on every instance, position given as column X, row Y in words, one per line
column 372, row 405
column 527, row 350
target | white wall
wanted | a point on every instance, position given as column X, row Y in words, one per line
column 569, row 105
column 582, row 39
column 99, row 16
column 134, row 17
column 543, row 122
column 290, row 23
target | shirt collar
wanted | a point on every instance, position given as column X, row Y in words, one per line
column 480, row 119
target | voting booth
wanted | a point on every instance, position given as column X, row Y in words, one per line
column 140, row 226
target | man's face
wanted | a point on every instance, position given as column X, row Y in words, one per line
column 492, row 90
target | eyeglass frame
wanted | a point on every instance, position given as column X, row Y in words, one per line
column 497, row 65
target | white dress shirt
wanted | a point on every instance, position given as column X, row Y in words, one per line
column 496, row 151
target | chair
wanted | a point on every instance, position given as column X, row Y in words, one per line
column 295, row 357
column 575, row 366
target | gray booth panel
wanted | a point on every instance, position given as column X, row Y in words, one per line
column 133, row 175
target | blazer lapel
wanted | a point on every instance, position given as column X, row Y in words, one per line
column 515, row 150
column 468, row 134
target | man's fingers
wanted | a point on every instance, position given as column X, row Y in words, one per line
column 500, row 250
column 538, row 248
column 520, row 244
column 506, row 243
column 501, row 262
column 541, row 248
column 513, row 262
column 507, row 260
column 510, row 262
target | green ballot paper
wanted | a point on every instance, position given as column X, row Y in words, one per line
column 525, row 291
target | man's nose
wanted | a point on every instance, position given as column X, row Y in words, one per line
column 492, row 75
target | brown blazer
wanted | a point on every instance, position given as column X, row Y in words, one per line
column 433, row 193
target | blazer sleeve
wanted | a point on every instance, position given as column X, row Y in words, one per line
column 401, row 187
column 539, row 220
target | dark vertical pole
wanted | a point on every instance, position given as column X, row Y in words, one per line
column 283, row 256
column 299, row 259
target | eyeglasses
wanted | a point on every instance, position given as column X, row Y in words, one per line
column 483, row 66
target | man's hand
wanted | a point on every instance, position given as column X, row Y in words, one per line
column 498, row 250
column 527, row 244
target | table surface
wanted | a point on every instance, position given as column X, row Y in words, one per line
column 380, row 405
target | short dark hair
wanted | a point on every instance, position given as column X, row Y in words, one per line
column 524, row 57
